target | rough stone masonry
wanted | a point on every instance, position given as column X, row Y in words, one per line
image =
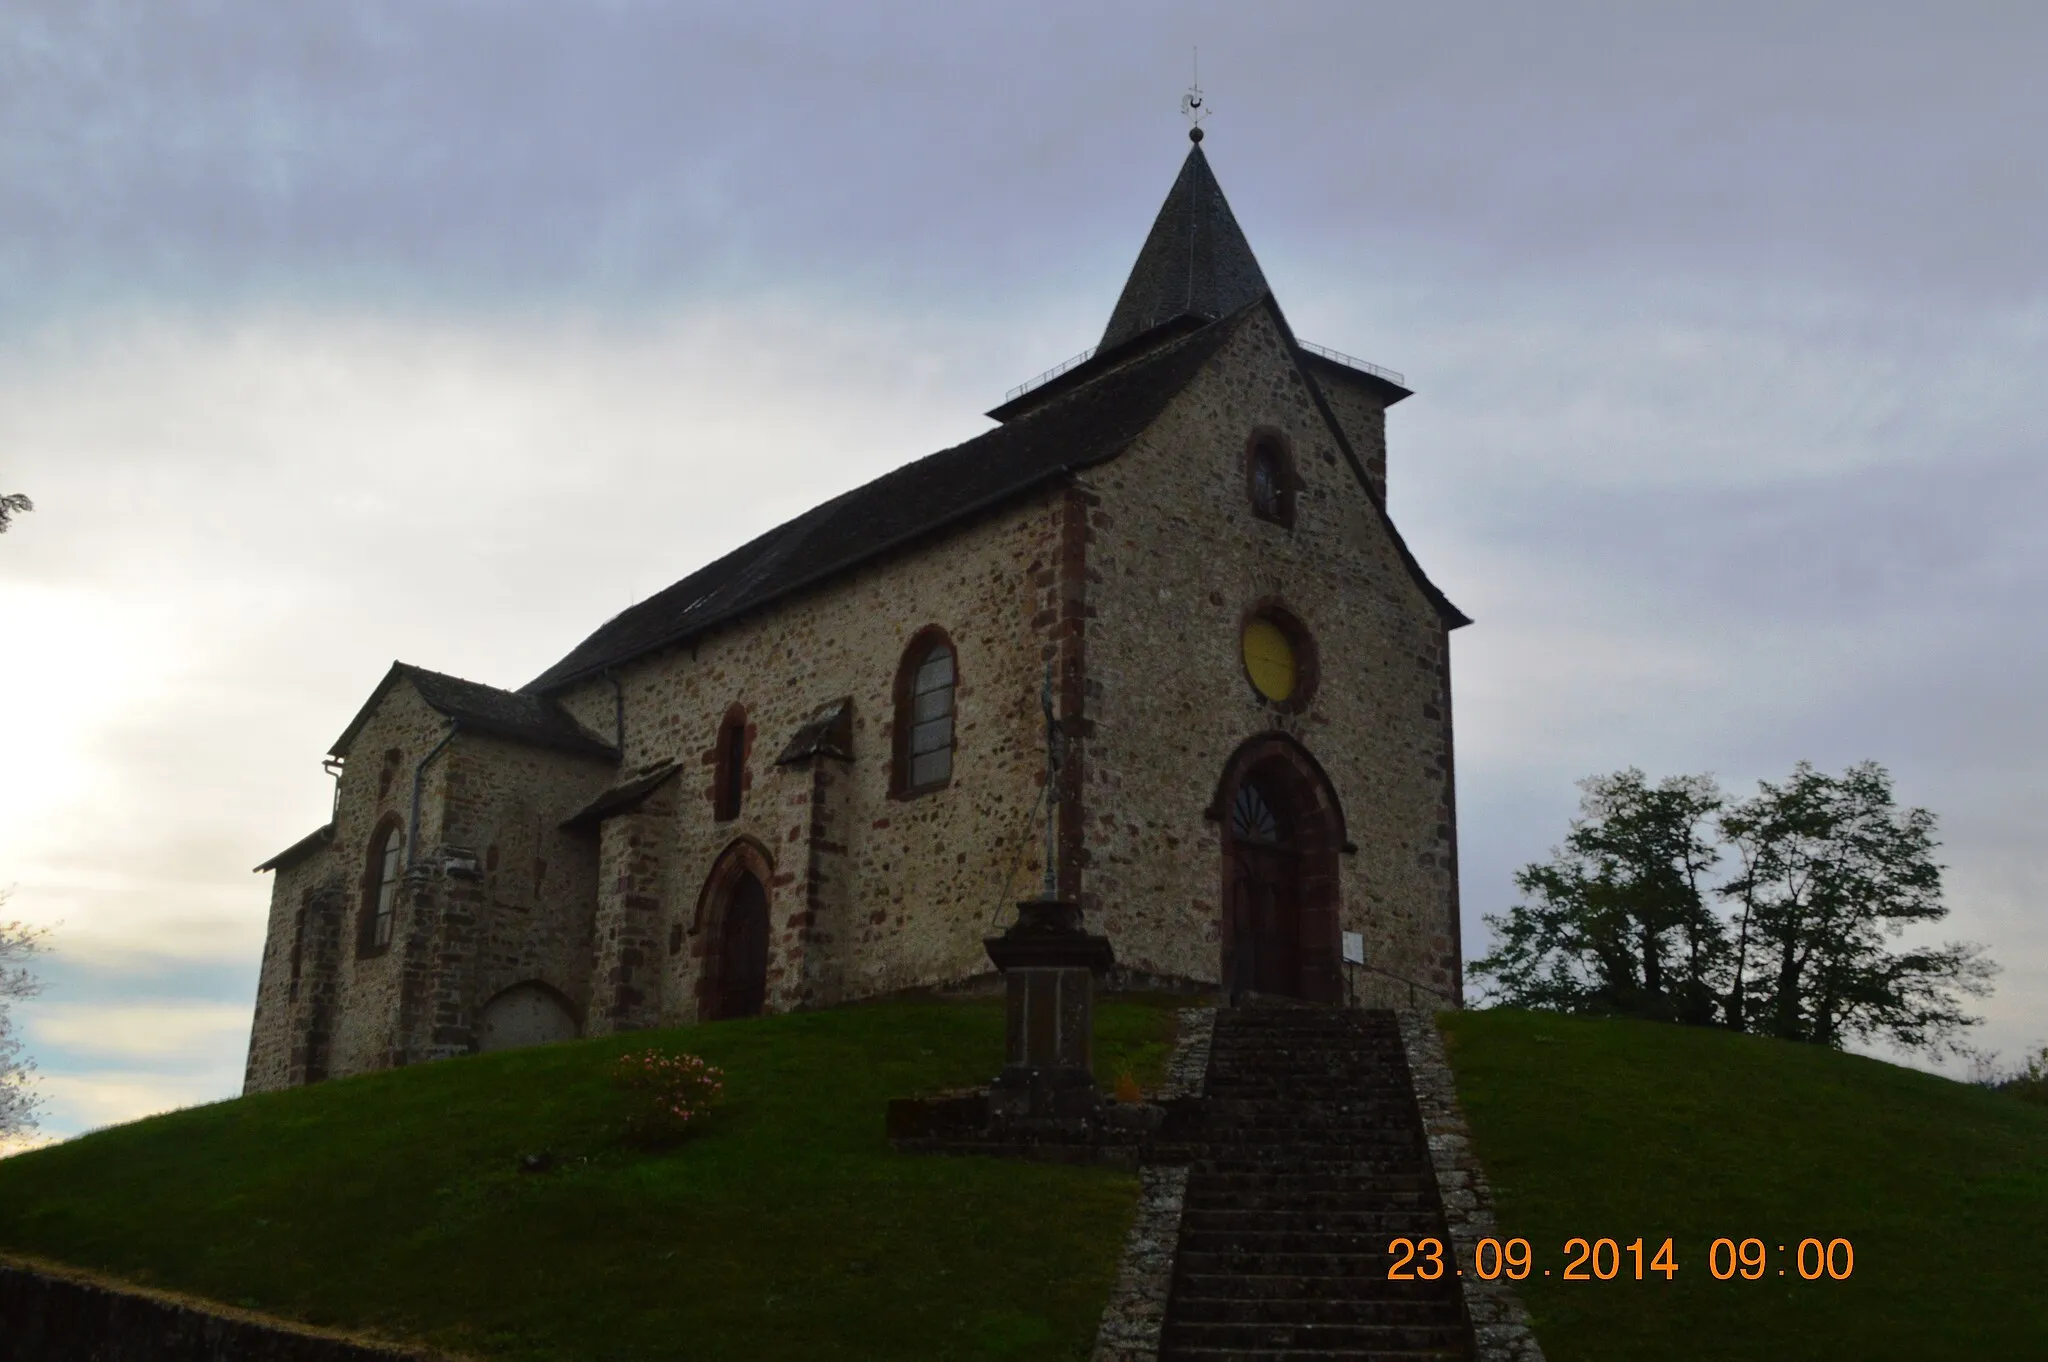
column 810, row 771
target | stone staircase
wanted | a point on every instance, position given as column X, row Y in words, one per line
column 1307, row 1158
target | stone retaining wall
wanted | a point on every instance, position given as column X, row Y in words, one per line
column 1500, row 1322
column 1136, row 1312
column 50, row 1313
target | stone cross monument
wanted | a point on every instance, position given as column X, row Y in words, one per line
column 1049, row 963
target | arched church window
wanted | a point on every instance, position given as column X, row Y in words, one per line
column 1270, row 477
column 730, row 765
column 380, row 889
column 924, row 714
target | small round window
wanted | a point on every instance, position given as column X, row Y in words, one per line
column 1269, row 659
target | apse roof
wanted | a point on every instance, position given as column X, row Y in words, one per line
column 484, row 709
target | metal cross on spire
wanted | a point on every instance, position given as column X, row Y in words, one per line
column 1193, row 106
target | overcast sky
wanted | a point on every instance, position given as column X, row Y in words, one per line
column 444, row 331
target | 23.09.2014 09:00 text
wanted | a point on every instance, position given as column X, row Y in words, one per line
column 1604, row 1260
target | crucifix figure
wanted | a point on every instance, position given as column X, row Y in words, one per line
column 1053, row 753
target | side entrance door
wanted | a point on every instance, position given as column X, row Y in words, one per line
column 743, row 953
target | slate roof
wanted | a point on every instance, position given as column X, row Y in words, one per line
column 827, row 733
column 479, row 708
column 623, row 797
column 1193, row 281
column 1195, row 262
column 1092, row 424
column 317, row 840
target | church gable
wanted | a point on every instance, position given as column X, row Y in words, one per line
column 1194, row 584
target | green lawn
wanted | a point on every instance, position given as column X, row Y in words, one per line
column 1626, row 1129
column 393, row 1203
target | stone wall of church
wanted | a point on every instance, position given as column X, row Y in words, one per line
column 525, row 914
column 376, row 787
column 340, row 1008
column 294, row 990
column 1363, row 415
column 458, row 937
column 868, row 892
column 1176, row 560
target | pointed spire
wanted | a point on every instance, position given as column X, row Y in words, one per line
column 1196, row 262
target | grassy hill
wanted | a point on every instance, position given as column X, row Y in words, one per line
column 786, row 1229
column 1626, row 1129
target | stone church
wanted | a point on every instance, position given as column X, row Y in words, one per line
column 816, row 769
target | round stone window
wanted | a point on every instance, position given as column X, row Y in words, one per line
column 1269, row 659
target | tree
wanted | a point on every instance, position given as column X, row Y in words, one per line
column 18, row 1101
column 1832, row 871
column 10, row 503
column 1620, row 919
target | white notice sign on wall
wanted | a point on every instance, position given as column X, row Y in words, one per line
column 1354, row 948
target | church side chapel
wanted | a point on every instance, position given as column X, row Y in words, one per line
column 815, row 770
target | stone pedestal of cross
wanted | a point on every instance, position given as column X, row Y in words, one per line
column 1049, row 963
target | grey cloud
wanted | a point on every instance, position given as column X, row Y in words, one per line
column 521, row 153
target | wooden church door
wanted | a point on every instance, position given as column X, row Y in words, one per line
column 1265, row 905
column 743, row 952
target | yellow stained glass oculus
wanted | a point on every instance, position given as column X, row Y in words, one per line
column 1269, row 658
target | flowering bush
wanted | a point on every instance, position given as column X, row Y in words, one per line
column 674, row 1093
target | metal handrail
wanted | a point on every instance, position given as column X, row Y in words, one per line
column 1049, row 375
column 1336, row 356
column 1354, row 362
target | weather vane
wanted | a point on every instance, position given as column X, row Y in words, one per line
column 1192, row 106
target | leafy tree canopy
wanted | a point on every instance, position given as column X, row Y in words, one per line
column 18, row 1101
column 1794, row 941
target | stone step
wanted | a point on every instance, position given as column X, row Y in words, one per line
column 1363, row 1264
column 1304, row 1143
column 1219, row 1125
column 1358, row 1185
column 1268, row 1119
column 1304, row 1083
column 1301, row 1355
column 1285, row 1291
column 1435, row 1312
column 1309, row 1089
column 1297, row 1238
column 1328, row 1338
column 1318, row 1217
column 1291, row 1184
column 1217, row 1162
column 1306, row 1158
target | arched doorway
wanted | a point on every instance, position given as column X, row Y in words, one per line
column 1264, row 898
column 525, row 1014
column 743, row 950
column 731, row 929
column 1282, row 831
